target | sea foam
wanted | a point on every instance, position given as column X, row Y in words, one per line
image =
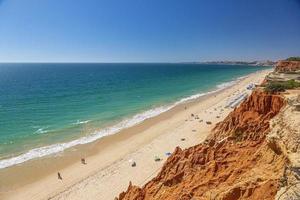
column 78, row 122
column 136, row 119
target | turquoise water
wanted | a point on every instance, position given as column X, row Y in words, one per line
column 56, row 104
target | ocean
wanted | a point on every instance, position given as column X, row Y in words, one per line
column 46, row 108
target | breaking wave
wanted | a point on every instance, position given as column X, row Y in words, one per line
column 136, row 119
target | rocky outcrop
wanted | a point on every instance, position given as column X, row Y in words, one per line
column 236, row 162
column 284, row 71
column 227, row 170
column 287, row 66
column 134, row 192
column 285, row 133
column 251, row 118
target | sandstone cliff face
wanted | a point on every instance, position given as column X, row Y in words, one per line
column 251, row 118
column 287, row 66
column 236, row 162
column 285, row 133
column 226, row 171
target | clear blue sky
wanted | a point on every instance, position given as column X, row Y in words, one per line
column 148, row 30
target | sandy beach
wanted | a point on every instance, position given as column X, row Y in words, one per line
column 108, row 169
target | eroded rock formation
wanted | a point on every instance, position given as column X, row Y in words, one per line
column 287, row 66
column 251, row 118
column 285, row 133
column 236, row 162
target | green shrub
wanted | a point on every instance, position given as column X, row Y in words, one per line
column 291, row 84
column 293, row 59
column 237, row 135
column 274, row 86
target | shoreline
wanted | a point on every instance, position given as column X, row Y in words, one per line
column 111, row 153
column 129, row 122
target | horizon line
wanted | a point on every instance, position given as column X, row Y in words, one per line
column 129, row 62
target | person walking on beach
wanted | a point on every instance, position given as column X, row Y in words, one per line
column 59, row 176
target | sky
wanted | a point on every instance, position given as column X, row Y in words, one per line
column 148, row 30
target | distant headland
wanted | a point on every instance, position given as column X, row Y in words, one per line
column 253, row 63
column 229, row 62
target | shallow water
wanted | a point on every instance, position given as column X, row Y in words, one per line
column 62, row 105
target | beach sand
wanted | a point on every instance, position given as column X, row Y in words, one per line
column 108, row 170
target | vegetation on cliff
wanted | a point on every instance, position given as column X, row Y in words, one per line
column 276, row 86
column 297, row 58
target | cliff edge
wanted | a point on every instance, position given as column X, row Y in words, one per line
column 252, row 154
column 286, row 66
column 237, row 162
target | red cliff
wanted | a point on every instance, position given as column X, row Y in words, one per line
column 251, row 118
column 287, row 66
column 237, row 162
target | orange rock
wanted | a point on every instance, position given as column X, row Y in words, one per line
column 227, row 169
column 287, row 66
column 252, row 116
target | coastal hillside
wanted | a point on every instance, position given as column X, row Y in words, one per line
column 252, row 154
column 287, row 66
